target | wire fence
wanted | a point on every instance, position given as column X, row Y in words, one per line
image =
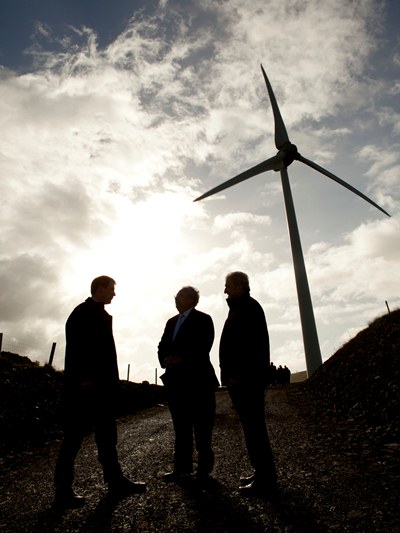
column 42, row 354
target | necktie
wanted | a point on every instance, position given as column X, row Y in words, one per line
column 178, row 324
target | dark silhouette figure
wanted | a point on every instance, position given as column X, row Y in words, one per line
column 244, row 361
column 280, row 375
column 90, row 395
column 287, row 374
column 272, row 377
column 283, row 375
column 190, row 383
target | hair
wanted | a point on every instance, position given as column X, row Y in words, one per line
column 101, row 281
column 193, row 293
column 239, row 278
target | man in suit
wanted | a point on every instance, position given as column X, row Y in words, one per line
column 244, row 361
column 190, row 383
column 90, row 393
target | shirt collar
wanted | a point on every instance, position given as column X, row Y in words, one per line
column 239, row 300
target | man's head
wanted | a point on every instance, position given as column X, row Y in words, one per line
column 237, row 284
column 103, row 289
column 186, row 298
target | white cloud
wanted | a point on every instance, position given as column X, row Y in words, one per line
column 223, row 222
column 103, row 150
column 363, row 267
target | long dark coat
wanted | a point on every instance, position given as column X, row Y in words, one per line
column 244, row 346
column 90, row 353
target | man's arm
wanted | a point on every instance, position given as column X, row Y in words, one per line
column 165, row 344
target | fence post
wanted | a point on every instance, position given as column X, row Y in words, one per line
column 53, row 349
column 387, row 305
column 1, row 342
column 156, row 376
column 129, row 368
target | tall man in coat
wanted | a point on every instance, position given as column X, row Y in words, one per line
column 190, row 383
column 244, row 362
column 90, row 393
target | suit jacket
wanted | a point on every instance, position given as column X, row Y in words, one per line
column 192, row 344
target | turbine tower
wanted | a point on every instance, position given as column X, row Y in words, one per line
column 287, row 153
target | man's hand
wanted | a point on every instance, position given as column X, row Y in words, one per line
column 232, row 383
column 87, row 386
column 172, row 361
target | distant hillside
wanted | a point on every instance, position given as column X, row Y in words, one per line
column 359, row 386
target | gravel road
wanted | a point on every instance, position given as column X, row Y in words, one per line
column 323, row 487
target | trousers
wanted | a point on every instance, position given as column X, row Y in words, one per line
column 249, row 403
column 81, row 417
column 192, row 412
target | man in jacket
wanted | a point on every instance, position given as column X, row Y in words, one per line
column 90, row 394
column 244, row 362
column 190, row 383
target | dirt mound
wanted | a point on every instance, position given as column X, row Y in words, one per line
column 359, row 386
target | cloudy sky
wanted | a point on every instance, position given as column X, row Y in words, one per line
column 116, row 115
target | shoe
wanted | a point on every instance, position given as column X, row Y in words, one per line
column 260, row 490
column 202, row 476
column 68, row 499
column 125, row 487
column 203, row 480
column 247, row 480
column 169, row 477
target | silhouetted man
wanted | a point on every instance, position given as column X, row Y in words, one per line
column 91, row 388
column 190, row 383
column 244, row 361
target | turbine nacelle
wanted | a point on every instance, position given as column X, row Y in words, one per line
column 288, row 153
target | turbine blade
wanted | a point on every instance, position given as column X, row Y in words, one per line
column 281, row 136
column 340, row 181
column 274, row 163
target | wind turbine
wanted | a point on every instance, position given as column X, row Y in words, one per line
column 287, row 153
